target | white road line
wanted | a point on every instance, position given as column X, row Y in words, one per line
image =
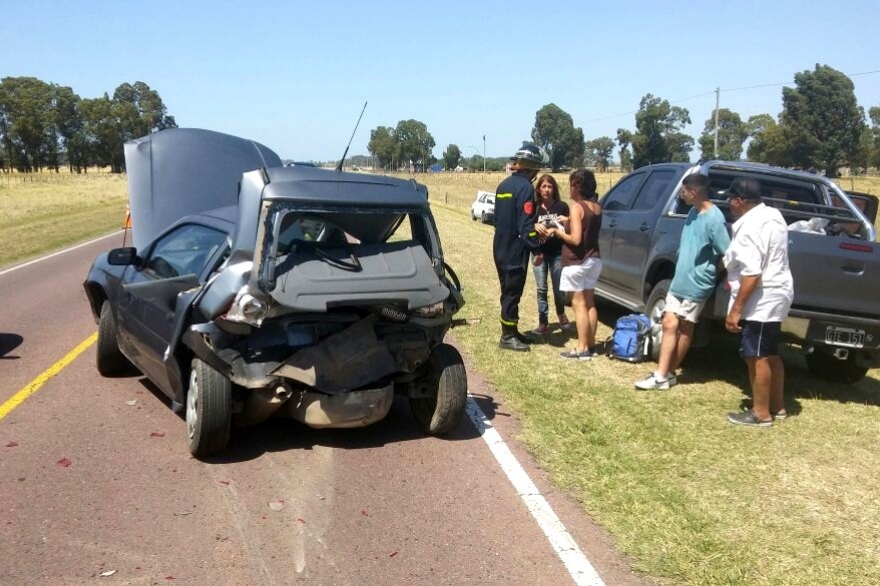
column 48, row 256
column 579, row 567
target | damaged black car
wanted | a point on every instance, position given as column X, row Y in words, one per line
column 255, row 290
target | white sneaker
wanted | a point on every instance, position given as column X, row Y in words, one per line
column 655, row 382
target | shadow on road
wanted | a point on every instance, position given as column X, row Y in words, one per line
column 279, row 435
column 8, row 343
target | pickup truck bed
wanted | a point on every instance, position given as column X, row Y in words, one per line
column 835, row 316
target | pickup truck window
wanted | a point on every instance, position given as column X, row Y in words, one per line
column 655, row 189
column 623, row 194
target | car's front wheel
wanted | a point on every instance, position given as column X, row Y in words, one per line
column 483, row 218
column 441, row 411
column 109, row 359
column 208, row 410
column 654, row 308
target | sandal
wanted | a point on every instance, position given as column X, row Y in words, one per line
column 748, row 418
column 574, row 353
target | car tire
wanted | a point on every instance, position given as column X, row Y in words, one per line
column 654, row 307
column 827, row 367
column 483, row 218
column 440, row 413
column 109, row 359
column 208, row 410
column 473, row 216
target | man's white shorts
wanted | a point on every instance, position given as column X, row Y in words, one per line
column 684, row 308
column 581, row 277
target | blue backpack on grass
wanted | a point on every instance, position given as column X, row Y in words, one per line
column 631, row 339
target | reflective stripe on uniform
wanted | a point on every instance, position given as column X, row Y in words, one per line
column 504, row 196
column 508, row 323
column 532, row 234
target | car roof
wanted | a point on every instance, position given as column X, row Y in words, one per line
column 328, row 187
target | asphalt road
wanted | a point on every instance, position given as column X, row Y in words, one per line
column 286, row 505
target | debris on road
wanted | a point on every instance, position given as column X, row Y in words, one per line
column 277, row 505
column 157, row 434
column 12, row 445
column 107, row 574
column 225, row 482
column 131, row 403
column 64, row 462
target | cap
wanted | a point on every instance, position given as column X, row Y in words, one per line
column 744, row 188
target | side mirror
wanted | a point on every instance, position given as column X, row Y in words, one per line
column 122, row 256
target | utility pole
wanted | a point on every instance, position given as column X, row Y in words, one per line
column 484, row 154
column 717, row 102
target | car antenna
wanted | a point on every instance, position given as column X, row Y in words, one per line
column 341, row 161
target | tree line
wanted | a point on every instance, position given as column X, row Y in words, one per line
column 821, row 127
column 47, row 126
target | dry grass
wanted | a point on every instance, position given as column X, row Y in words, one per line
column 40, row 212
column 459, row 189
column 691, row 498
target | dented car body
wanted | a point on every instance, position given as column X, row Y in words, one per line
column 265, row 290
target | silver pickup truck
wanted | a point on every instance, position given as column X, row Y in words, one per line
column 835, row 316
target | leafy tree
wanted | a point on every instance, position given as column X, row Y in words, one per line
column 25, row 103
column 451, row 157
column 383, row 146
column 414, row 142
column 624, row 139
column 658, row 137
column 732, row 132
column 872, row 146
column 822, row 122
column 100, row 133
column 554, row 130
column 599, row 151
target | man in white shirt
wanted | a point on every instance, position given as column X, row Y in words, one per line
column 761, row 292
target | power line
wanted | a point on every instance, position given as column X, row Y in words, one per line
column 738, row 89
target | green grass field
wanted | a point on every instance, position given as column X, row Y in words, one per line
column 691, row 499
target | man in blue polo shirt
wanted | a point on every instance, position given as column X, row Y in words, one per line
column 704, row 240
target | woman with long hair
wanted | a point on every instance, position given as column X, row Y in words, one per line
column 581, row 262
column 548, row 258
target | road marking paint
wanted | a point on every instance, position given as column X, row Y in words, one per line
column 48, row 256
column 34, row 386
column 579, row 567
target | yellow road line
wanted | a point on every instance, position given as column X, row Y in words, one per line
column 34, row 386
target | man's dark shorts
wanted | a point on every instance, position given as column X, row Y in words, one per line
column 759, row 339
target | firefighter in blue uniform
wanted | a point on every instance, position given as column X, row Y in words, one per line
column 516, row 236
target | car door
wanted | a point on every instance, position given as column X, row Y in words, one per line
column 634, row 227
column 614, row 205
column 147, row 305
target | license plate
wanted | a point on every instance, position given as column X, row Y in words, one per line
column 849, row 337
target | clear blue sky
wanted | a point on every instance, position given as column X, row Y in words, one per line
column 294, row 75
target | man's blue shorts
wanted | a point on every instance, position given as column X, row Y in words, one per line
column 759, row 339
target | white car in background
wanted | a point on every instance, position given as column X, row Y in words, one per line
column 484, row 207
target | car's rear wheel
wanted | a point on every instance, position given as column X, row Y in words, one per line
column 441, row 412
column 827, row 367
column 208, row 410
column 654, row 308
column 109, row 359
column 473, row 216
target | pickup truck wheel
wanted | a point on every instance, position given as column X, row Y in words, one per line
column 654, row 308
column 208, row 410
column 109, row 359
column 441, row 413
column 827, row 367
